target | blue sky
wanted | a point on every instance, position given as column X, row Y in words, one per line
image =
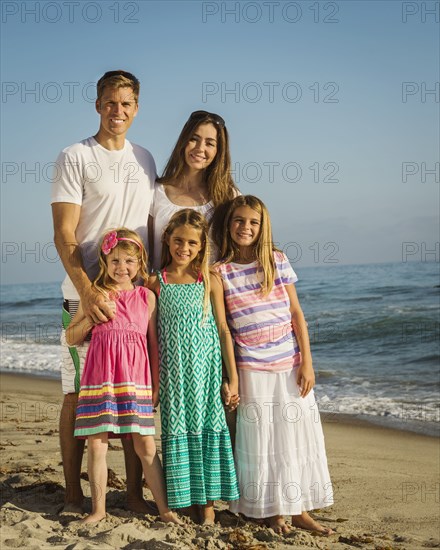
column 332, row 109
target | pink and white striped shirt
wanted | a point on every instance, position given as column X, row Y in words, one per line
column 260, row 325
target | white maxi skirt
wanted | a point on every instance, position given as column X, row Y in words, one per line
column 279, row 449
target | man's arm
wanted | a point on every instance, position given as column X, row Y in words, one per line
column 65, row 221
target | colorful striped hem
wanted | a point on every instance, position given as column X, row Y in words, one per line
column 104, row 389
column 132, row 412
column 118, row 408
column 112, row 428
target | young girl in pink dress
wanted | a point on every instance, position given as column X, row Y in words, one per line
column 279, row 449
column 120, row 385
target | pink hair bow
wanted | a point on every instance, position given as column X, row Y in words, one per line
column 109, row 242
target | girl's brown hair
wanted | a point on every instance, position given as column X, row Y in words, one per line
column 217, row 175
column 263, row 247
column 103, row 282
column 197, row 221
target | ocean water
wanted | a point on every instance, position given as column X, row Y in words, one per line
column 374, row 330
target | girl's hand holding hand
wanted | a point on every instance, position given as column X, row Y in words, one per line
column 235, row 397
column 305, row 378
column 233, row 388
column 230, row 399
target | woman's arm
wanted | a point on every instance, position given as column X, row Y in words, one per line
column 78, row 328
column 306, row 375
column 218, row 305
column 153, row 347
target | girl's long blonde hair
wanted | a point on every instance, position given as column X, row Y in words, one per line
column 103, row 283
column 197, row 221
column 263, row 247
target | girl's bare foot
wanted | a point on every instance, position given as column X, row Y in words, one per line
column 305, row 521
column 207, row 514
column 171, row 517
column 93, row 518
column 278, row 524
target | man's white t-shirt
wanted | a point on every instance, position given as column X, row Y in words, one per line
column 114, row 189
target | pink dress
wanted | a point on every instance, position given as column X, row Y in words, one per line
column 116, row 394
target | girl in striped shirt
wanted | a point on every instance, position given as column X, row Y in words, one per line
column 279, row 451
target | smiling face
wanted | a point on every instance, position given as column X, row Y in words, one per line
column 122, row 268
column 244, row 226
column 202, row 147
column 184, row 244
column 117, row 108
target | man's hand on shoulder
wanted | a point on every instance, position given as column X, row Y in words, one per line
column 97, row 308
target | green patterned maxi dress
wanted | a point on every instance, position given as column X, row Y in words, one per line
column 196, row 447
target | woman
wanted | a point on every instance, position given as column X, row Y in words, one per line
column 197, row 175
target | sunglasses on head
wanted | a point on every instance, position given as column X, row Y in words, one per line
column 110, row 74
column 204, row 114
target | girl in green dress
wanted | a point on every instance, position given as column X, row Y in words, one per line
column 193, row 337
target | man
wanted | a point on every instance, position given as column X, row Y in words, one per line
column 100, row 183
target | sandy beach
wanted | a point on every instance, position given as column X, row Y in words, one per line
column 386, row 488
